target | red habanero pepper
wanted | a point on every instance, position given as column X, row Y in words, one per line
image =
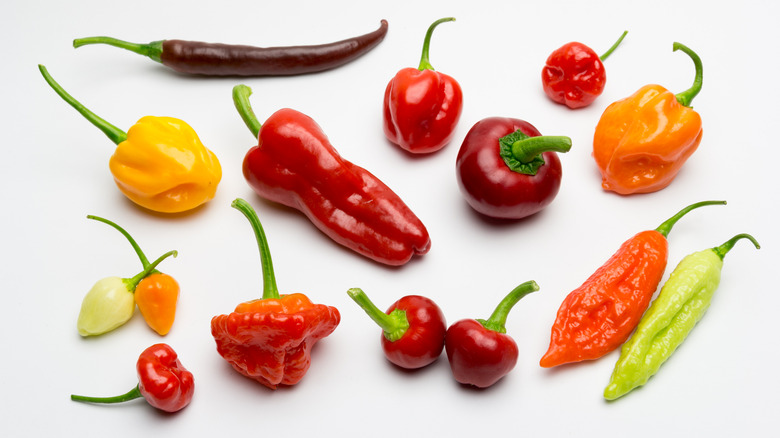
column 574, row 74
column 479, row 351
column 270, row 339
column 599, row 316
column 162, row 381
column 422, row 106
column 294, row 164
column 413, row 328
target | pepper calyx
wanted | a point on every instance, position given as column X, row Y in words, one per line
column 394, row 325
column 523, row 153
column 151, row 50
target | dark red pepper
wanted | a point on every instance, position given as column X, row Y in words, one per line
column 480, row 352
column 413, row 329
column 507, row 170
column 574, row 74
column 422, row 106
column 294, row 164
column 162, row 381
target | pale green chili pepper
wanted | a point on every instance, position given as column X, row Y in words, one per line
column 681, row 303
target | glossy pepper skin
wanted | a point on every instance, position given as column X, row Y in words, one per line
column 641, row 142
column 422, row 106
column 574, row 75
column 162, row 381
column 413, row 328
column 160, row 163
column 507, row 170
column 270, row 339
column 294, row 164
column 479, row 351
column 682, row 302
column 597, row 317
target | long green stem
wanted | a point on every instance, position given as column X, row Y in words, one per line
column 269, row 279
column 666, row 227
column 241, row 95
column 130, row 395
column 497, row 321
column 723, row 249
column 133, row 282
column 614, row 46
column 141, row 255
column 687, row 96
column 527, row 149
column 425, row 63
column 152, row 50
column 394, row 325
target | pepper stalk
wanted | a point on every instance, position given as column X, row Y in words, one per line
column 425, row 63
column 270, row 290
column 497, row 320
column 523, row 153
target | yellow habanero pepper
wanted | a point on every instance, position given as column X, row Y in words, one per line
column 160, row 163
column 642, row 141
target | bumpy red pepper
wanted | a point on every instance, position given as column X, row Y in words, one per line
column 294, row 164
column 270, row 339
column 422, row 106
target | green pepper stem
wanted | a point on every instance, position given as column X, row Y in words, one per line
column 141, row 255
column 529, row 148
column 723, row 249
column 394, row 325
column 425, row 63
column 666, row 227
column 152, row 50
column 115, row 134
column 270, row 291
column 130, row 395
column 614, row 46
column 687, row 96
column 497, row 321
column 241, row 95
column 132, row 283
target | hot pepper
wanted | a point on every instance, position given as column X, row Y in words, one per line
column 160, row 163
column 413, row 328
column 574, row 74
column 294, row 164
column 162, row 381
column 480, row 352
column 270, row 339
column 422, row 106
column 507, row 170
column 598, row 316
column 682, row 302
column 641, row 142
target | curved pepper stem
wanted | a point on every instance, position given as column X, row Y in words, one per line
column 614, row 46
column 270, row 291
column 497, row 320
column 523, row 153
column 394, row 325
column 130, row 395
column 141, row 255
column 666, row 227
column 687, row 96
column 241, row 95
column 723, row 249
column 425, row 63
column 115, row 134
column 152, row 50
column 132, row 283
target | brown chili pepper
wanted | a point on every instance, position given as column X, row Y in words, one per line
column 214, row 59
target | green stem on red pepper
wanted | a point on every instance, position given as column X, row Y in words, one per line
column 270, row 290
column 687, row 96
column 497, row 320
column 523, row 153
column 394, row 325
column 614, row 46
column 425, row 63
column 241, row 95
column 130, row 395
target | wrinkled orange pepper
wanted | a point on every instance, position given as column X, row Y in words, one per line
column 642, row 141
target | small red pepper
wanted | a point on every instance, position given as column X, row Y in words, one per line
column 413, row 328
column 422, row 106
column 162, row 381
column 507, row 170
column 480, row 352
column 574, row 74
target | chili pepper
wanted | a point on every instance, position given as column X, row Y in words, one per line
column 480, row 352
column 574, row 74
column 682, row 302
column 422, row 106
column 294, row 164
column 160, row 163
column 215, row 59
column 413, row 328
column 507, row 170
column 598, row 316
column 162, row 381
column 642, row 141
column 270, row 339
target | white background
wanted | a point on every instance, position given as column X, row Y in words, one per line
column 722, row 382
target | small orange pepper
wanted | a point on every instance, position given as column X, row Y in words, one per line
column 156, row 297
column 642, row 141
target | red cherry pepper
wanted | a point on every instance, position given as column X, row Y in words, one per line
column 507, row 170
column 574, row 74
column 162, row 381
column 422, row 106
column 480, row 352
column 413, row 329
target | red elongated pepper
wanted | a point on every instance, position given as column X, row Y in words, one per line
column 479, row 351
column 599, row 316
column 506, row 169
column 422, row 106
column 162, row 381
column 294, row 164
column 413, row 329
